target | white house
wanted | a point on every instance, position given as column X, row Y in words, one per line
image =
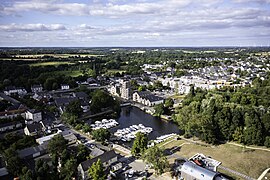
column 32, row 116
column 64, row 87
column 12, row 90
column 36, row 88
column 146, row 98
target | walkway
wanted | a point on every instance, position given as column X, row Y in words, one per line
column 235, row 173
column 263, row 174
column 248, row 147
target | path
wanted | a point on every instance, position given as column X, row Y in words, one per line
column 263, row 174
column 248, row 147
column 235, row 173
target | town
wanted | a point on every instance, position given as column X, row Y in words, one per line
column 128, row 122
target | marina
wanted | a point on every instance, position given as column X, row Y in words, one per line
column 129, row 133
column 105, row 124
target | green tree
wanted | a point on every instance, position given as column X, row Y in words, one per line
column 101, row 134
column 139, row 144
column 267, row 141
column 169, row 103
column 26, row 174
column 159, row 110
column 69, row 169
column 96, row 171
column 157, row 159
column 74, row 108
column 82, row 153
column 102, row 100
column 57, row 145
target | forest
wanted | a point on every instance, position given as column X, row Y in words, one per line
column 228, row 114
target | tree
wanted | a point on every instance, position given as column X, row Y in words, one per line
column 96, row 171
column 57, row 145
column 157, row 159
column 74, row 108
column 139, row 144
column 169, row 103
column 68, row 170
column 82, row 153
column 14, row 164
column 159, row 110
column 102, row 100
column 101, row 134
column 26, row 174
column 267, row 141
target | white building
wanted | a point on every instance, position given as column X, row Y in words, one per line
column 12, row 90
column 125, row 91
column 32, row 116
column 64, row 87
column 146, row 98
column 36, row 88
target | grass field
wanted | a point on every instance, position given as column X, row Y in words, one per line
column 52, row 63
column 115, row 71
column 75, row 73
column 246, row 161
column 56, row 55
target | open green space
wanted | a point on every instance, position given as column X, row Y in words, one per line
column 74, row 73
column 55, row 55
column 52, row 63
column 246, row 161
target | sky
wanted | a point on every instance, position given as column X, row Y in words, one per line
column 139, row 23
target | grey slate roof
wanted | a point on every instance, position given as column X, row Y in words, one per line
column 32, row 150
column 103, row 158
column 151, row 97
column 34, row 127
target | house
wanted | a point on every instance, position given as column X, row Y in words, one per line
column 33, row 129
column 36, row 88
column 33, row 115
column 10, row 126
column 191, row 171
column 147, row 98
column 12, row 90
column 64, row 87
column 66, row 134
column 13, row 112
column 107, row 159
column 62, row 102
column 32, row 152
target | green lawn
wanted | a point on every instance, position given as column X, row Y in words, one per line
column 74, row 73
column 52, row 63
column 246, row 161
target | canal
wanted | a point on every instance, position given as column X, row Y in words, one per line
column 133, row 115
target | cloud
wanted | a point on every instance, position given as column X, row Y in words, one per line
column 32, row 27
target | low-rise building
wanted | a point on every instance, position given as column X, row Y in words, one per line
column 36, row 88
column 147, row 98
column 32, row 116
column 107, row 159
column 10, row 126
column 64, row 87
column 12, row 90
column 33, row 129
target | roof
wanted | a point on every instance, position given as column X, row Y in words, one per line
column 34, row 127
column 9, row 124
column 33, row 111
column 96, row 152
column 103, row 158
column 64, row 100
column 31, row 150
column 148, row 96
column 81, row 95
column 197, row 171
column 36, row 86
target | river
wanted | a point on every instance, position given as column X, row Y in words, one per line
column 133, row 115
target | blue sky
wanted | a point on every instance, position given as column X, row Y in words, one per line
column 94, row 23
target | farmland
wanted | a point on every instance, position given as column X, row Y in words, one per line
column 51, row 63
